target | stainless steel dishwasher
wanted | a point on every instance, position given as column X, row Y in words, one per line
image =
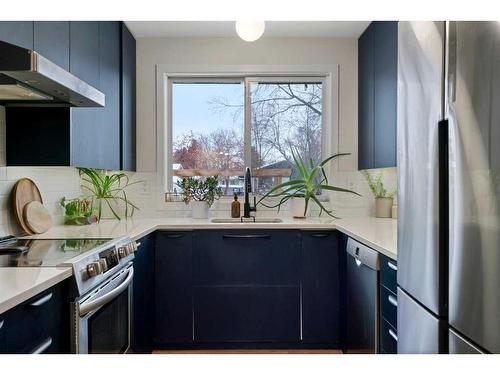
column 362, row 283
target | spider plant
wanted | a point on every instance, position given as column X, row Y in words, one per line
column 312, row 180
column 108, row 188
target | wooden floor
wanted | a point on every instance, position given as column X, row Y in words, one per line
column 250, row 351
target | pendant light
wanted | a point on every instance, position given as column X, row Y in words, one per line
column 250, row 31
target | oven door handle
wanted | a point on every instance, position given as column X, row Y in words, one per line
column 89, row 306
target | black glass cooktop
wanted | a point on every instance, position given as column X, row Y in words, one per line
column 43, row 253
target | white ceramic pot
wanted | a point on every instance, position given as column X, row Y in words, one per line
column 298, row 208
column 106, row 212
column 199, row 209
column 383, row 207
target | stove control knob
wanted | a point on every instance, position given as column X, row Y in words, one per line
column 132, row 247
column 122, row 252
column 94, row 269
column 104, row 264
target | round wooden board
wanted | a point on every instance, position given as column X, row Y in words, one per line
column 24, row 191
column 36, row 217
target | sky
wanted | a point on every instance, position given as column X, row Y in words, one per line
column 191, row 110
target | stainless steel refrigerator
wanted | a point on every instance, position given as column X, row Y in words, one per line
column 449, row 187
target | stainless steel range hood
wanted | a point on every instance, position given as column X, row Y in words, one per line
column 28, row 77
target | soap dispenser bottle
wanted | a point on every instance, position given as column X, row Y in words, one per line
column 235, row 207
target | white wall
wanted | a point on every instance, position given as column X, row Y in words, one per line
column 266, row 51
column 234, row 51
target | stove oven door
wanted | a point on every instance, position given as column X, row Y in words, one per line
column 102, row 318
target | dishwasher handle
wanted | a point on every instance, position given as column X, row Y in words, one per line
column 363, row 255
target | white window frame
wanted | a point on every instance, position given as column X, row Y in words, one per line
column 166, row 74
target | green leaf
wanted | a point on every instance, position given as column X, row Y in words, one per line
column 332, row 157
column 334, row 188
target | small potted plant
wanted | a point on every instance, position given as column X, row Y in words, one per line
column 383, row 199
column 107, row 192
column 78, row 211
column 200, row 194
column 311, row 181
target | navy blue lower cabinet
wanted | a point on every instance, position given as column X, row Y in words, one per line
column 38, row 325
column 143, row 295
column 246, row 314
column 3, row 344
column 246, row 286
column 173, row 288
column 388, row 305
column 320, row 288
column 246, row 257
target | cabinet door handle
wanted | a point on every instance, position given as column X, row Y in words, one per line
column 246, row 236
column 392, row 300
column 41, row 301
column 43, row 346
column 393, row 334
column 177, row 235
column 320, row 235
column 1, row 323
column 392, row 266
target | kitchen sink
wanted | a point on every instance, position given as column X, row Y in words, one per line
column 257, row 220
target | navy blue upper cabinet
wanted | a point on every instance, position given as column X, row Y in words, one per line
column 365, row 99
column 386, row 92
column 101, row 54
column 84, row 51
column 108, row 122
column 128, row 65
column 19, row 33
column 85, row 124
column 51, row 40
column 320, row 288
column 377, row 95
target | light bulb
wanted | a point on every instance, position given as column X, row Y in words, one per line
column 250, row 31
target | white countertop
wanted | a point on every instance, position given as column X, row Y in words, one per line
column 20, row 284
column 379, row 234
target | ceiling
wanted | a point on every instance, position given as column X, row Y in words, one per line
column 283, row 29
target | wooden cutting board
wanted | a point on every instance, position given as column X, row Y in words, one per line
column 36, row 217
column 24, row 192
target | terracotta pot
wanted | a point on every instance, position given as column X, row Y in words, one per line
column 298, row 208
column 199, row 209
column 383, row 207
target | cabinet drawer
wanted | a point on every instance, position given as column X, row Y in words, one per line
column 246, row 314
column 388, row 273
column 39, row 324
column 388, row 305
column 388, row 338
column 244, row 257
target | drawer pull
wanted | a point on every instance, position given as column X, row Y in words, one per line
column 320, row 235
column 1, row 323
column 392, row 266
column 393, row 334
column 392, row 300
column 177, row 235
column 42, row 300
column 43, row 346
column 246, row 236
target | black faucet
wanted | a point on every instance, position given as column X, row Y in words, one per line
column 248, row 189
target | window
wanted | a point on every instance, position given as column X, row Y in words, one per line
column 219, row 126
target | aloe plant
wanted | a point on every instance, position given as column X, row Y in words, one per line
column 312, row 179
column 108, row 188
